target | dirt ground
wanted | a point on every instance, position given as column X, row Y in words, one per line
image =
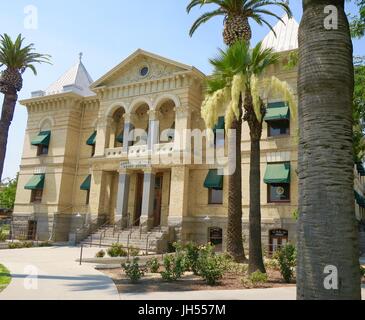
column 189, row 282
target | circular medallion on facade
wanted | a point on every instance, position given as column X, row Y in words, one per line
column 144, row 71
column 280, row 191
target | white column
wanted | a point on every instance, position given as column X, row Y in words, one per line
column 122, row 216
column 154, row 129
column 128, row 127
column 147, row 217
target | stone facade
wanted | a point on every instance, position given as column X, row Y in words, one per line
column 169, row 95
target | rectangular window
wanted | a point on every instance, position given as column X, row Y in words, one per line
column 279, row 192
column 278, row 128
column 42, row 150
column 215, row 196
column 36, row 196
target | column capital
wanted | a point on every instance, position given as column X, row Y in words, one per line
column 149, row 170
column 128, row 117
column 183, row 110
column 153, row 115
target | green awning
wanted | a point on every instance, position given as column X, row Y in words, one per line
column 277, row 173
column 92, row 140
column 43, row 139
column 213, row 180
column 120, row 138
column 86, row 185
column 220, row 125
column 36, row 183
column 277, row 111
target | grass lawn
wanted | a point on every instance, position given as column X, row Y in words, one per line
column 5, row 277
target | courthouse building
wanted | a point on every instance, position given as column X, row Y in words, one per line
column 80, row 163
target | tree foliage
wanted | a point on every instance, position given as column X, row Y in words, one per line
column 357, row 22
column 7, row 193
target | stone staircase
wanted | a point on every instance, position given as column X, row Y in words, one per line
column 155, row 240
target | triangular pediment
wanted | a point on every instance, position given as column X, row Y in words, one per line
column 130, row 70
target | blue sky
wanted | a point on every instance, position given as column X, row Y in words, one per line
column 107, row 32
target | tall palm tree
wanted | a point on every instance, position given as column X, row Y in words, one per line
column 327, row 235
column 236, row 15
column 17, row 59
column 239, row 80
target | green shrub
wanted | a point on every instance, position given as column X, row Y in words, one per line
column 174, row 267
column 211, row 266
column 258, row 277
column 362, row 271
column 20, row 245
column 286, row 257
column 45, row 244
column 134, row 252
column 3, row 237
column 100, row 254
column 191, row 256
column 153, row 265
column 117, row 250
column 133, row 270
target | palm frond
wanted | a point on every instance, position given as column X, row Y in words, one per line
column 16, row 56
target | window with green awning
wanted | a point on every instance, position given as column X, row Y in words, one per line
column 92, row 140
column 277, row 111
column 277, row 173
column 36, row 182
column 213, row 180
column 86, row 185
column 42, row 139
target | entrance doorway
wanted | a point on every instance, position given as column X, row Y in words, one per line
column 158, row 200
column 139, row 199
column 278, row 239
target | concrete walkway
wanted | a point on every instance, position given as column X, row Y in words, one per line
column 53, row 274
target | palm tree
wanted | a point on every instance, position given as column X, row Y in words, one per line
column 236, row 14
column 239, row 80
column 236, row 28
column 17, row 59
column 327, row 234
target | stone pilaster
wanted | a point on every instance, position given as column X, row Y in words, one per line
column 103, row 138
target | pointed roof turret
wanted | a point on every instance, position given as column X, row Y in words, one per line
column 76, row 80
column 286, row 38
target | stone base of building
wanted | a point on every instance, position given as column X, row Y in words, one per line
column 198, row 229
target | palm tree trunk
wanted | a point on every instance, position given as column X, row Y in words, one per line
column 327, row 234
column 255, row 254
column 234, row 230
column 7, row 115
column 255, row 247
